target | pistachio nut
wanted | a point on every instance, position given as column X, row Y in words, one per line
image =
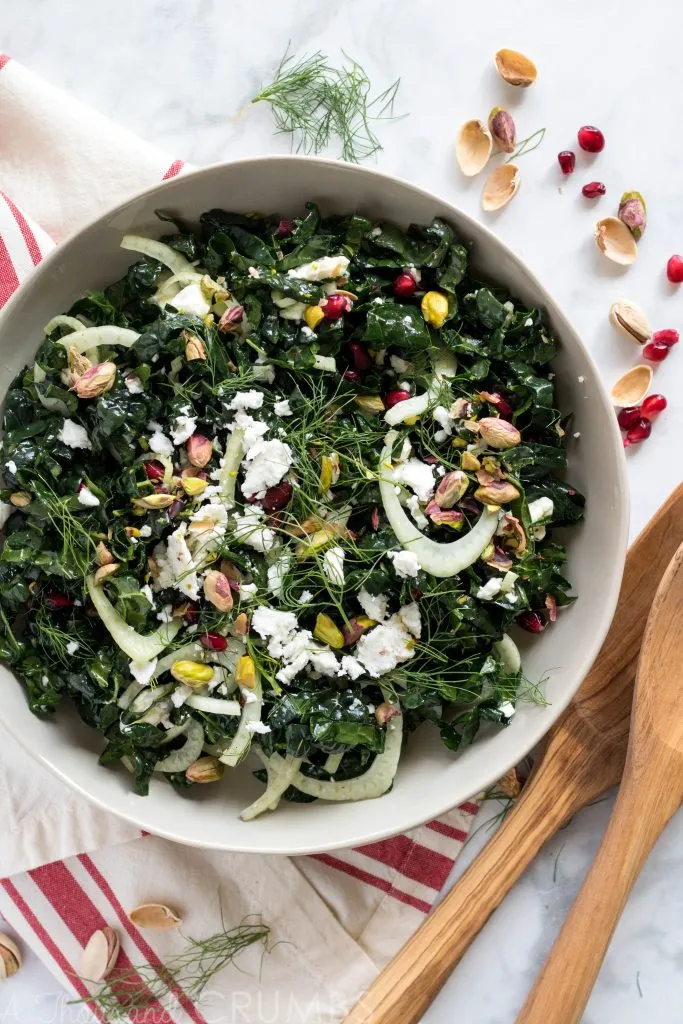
column 205, row 769
column 193, row 486
column 320, row 539
column 194, row 347
column 217, row 590
column 153, row 502
column 353, row 630
column 633, row 213
column 10, row 957
column 515, row 68
column 498, row 433
column 199, row 450
column 100, row 955
column 445, row 517
column 385, row 712
column 329, row 471
column 451, row 488
column 327, row 632
column 240, row 626
column 230, row 570
column 631, row 320
column 245, row 672
column 469, row 461
column 499, row 492
column 78, row 363
column 231, row 320
column 497, row 557
column 513, row 534
column 502, row 128
column 509, row 785
column 20, row 499
column 155, row 916
column 473, row 147
column 104, row 555
column 434, row 308
column 105, row 571
column 95, row 381
column 313, row 315
column 370, row 403
column 191, row 673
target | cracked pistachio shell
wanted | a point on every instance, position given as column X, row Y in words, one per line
column 473, row 147
column 10, row 957
column 629, row 319
column 615, row 241
column 100, row 954
column 500, row 187
column 155, row 916
column 632, row 387
column 515, row 68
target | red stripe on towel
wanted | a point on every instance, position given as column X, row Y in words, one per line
column 411, row 859
column 175, row 168
column 369, row 879
column 9, row 282
column 4, row 59
column 25, row 228
column 447, row 830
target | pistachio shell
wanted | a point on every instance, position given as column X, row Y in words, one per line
column 10, row 957
column 500, row 187
column 515, row 69
column 473, row 147
column 632, row 387
column 628, row 318
column 100, row 954
column 615, row 241
column 155, row 916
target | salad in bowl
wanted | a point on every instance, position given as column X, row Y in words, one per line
column 285, row 487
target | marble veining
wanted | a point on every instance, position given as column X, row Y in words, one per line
column 182, row 75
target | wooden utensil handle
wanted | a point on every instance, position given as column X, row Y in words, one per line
column 406, row 987
column 563, row 988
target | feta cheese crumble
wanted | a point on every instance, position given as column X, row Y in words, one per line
column 142, row 671
column 405, row 563
column 134, row 384
column 375, row 606
column 12, row 467
column 182, row 429
column 276, row 574
column 265, row 463
column 385, row 647
column 73, row 435
column 490, row 589
column 86, row 497
column 160, row 443
column 324, row 269
column 416, row 475
column 282, row 408
column 191, row 299
column 72, row 647
column 249, row 530
column 244, row 400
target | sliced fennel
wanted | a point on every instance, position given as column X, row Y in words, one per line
column 213, row 705
column 173, row 284
column 134, row 644
column 333, row 762
column 251, row 712
column 435, row 558
column 278, row 782
column 508, row 652
column 180, row 760
column 328, row 363
column 413, row 406
column 91, row 337
column 170, row 258
column 372, row 783
column 230, row 464
column 148, row 696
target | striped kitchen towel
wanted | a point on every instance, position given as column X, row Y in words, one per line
column 66, row 867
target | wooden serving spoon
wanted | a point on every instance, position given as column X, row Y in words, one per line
column 651, row 792
column 583, row 756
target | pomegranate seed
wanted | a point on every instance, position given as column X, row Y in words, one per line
column 154, row 470
column 655, row 351
column 629, row 416
column 531, row 621
column 374, row 518
column 175, row 509
column 284, row 229
column 192, row 615
column 213, row 641
column 404, row 286
column 652, row 405
column 352, row 376
column 277, row 497
column 394, row 397
column 674, row 269
column 501, row 404
column 336, row 306
column 567, row 161
column 594, row 189
column 639, row 433
column 362, row 360
column 58, row 602
column 591, row 139
column 431, row 460
column 667, row 337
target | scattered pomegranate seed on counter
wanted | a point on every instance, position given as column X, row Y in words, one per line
column 594, row 189
column 667, row 337
column 629, row 416
column 335, row 307
column 591, row 139
column 532, row 622
column 394, row 397
column 674, row 269
column 639, row 433
column 405, row 285
column 154, row 470
column 653, row 405
column 213, row 641
column 655, row 351
column 567, row 161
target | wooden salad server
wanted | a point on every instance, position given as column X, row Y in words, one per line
column 583, row 756
column 651, row 792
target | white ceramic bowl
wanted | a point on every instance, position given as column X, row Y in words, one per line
column 430, row 780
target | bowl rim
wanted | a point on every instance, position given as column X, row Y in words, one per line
column 534, row 731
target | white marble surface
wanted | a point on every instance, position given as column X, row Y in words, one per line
column 180, row 73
